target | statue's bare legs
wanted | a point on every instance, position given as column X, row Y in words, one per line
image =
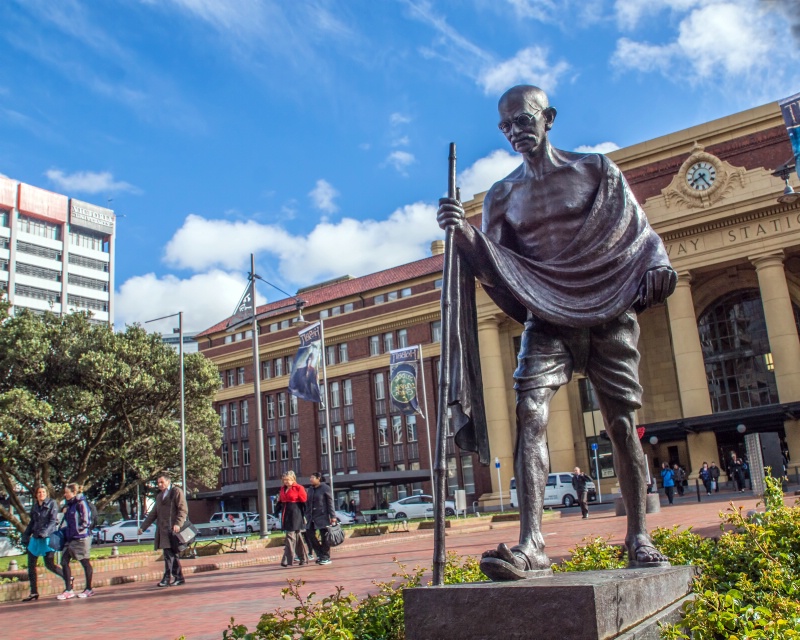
column 629, row 465
column 531, row 465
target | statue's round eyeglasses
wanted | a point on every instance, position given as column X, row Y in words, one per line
column 522, row 120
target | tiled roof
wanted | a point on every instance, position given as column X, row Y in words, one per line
column 352, row 287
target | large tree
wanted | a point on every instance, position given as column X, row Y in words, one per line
column 81, row 403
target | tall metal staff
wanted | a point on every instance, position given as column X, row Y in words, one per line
column 440, row 470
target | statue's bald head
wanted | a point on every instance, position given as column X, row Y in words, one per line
column 531, row 95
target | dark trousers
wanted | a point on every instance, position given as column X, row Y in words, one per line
column 679, row 486
column 307, row 539
column 322, row 548
column 172, row 564
column 583, row 501
column 67, row 573
column 49, row 562
column 670, row 491
column 707, row 484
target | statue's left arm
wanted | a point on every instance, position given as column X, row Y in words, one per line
column 656, row 286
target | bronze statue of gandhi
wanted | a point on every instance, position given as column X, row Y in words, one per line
column 565, row 250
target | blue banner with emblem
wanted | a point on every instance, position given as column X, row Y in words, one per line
column 403, row 365
column 304, row 381
column 790, row 108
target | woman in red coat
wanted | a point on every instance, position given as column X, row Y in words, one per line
column 292, row 505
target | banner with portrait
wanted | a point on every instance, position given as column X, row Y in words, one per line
column 790, row 108
column 403, row 379
column 304, row 381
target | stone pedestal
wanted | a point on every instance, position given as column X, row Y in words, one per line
column 653, row 505
column 586, row 605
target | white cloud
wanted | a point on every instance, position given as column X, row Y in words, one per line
column 602, row 147
column 331, row 249
column 398, row 118
column 738, row 45
column 400, row 160
column 323, row 195
column 88, row 182
column 402, row 141
column 631, row 12
column 484, row 172
column 528, row 66
column 204, row 298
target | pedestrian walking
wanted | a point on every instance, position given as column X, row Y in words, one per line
column 169, row 513
column 680, row 476
column 715, row 472
column 705, row 477
column 36, row 538
column 668, row 481
column 579, row 482
column 292, row 501
column 320, row 514
column 736, row 470
column 77, row 541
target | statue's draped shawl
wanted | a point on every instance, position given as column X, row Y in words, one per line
column 594, row 279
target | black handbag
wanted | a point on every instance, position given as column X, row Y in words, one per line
column 335, row 535
column 187, row 533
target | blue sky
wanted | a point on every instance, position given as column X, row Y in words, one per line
column 314, row 133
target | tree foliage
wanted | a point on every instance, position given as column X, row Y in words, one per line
column 81, row 403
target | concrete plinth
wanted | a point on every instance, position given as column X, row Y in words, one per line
column 653, row 505
column 587, row 605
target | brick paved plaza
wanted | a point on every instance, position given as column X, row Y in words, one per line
column 201, row 608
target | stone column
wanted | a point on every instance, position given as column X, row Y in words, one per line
column 691, row 371
column 495, row 396
column 783, row 340
column 560, row 439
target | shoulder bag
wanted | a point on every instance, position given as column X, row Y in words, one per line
column 335, row 535
column 187, row 533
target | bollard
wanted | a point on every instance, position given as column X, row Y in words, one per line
column 12, row 565
column 697, row 485
column 114, row 551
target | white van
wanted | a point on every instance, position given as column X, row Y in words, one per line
column 558, row 491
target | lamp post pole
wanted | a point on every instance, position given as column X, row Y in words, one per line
column 183, row 405
column 260, row 456
column 183, row 397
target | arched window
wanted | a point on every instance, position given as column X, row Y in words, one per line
column 733, row 335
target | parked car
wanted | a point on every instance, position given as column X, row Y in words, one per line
column 254, row 523
column 229, row 521
column 420, row 506
column 558, row 491
column 5, row 527
column 125, row 531
column 344, row 517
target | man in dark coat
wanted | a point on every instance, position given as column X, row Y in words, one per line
column 566, row 251
column 320, row 514
column 715, row 472
column 579, row 482
column 169, row 513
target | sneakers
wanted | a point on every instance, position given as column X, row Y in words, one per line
column 178, row 582
column 69, row 593
column 324, row 561
column 86, row 593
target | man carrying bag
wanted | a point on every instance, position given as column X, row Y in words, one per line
column 169, row 513
column 320, row 514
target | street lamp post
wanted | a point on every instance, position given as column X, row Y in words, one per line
column 183, row 398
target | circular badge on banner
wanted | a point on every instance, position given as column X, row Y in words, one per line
column 404, row 387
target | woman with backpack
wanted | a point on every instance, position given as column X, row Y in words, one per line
column 77, row 540
column 36, row 538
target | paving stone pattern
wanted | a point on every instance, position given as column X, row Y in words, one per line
column 246, row 585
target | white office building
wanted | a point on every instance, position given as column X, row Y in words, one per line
column 56, row 252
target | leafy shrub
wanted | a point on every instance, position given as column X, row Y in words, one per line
column 749, row 586
column 596, row 554
column 343, row 617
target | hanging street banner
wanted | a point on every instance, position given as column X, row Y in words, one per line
column 244, row 310
column 403, row 379
column 304, row 381
column 790, row 108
